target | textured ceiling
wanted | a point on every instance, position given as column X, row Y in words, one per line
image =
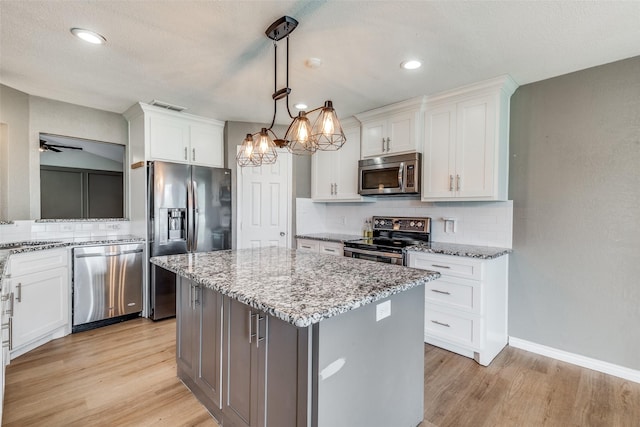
column 213, row 58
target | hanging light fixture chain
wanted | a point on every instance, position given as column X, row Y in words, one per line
column 287, row 78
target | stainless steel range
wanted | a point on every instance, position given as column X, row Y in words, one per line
column 390, row 236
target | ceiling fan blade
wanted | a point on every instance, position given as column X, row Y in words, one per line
column 65, row 146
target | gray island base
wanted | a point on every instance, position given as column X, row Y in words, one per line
column 273, row 337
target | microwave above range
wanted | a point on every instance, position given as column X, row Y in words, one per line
column 390, row 175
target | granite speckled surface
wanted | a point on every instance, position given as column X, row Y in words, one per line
column 299, row 287
column 469, row 251
column 330, row 237
column 13, row 248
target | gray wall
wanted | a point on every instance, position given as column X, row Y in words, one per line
column 14, row 150
column 235, row 132
column 575, row 183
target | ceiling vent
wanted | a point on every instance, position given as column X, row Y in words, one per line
column 168, row 106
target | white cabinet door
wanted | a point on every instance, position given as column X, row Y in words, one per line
column 475, row 147
column 438, row 154
column 345, row 170
column 168, row 139
column 401, row 133
column 322, row 169
column 374, row 134
column 41, row 304
column 207, row 145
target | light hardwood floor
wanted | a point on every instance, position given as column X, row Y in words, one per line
column 124, row 375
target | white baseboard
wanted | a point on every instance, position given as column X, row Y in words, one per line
column 576, row 359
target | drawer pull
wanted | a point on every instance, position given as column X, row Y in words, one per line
column 440, row 266
column 440, row 292
column 329, row 250
column 441, row 324
column 305, row 247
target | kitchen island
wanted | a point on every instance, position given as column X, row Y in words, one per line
column 277, row 337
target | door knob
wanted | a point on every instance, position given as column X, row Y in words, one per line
column 282, row 233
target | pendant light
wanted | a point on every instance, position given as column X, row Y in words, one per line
column 301, row 137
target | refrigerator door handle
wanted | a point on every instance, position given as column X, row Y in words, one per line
column 194, row 193
column 188, row 214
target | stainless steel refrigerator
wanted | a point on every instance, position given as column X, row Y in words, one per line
column 189, row 211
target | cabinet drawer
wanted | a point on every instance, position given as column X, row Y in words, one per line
column 460, row 329
column 308, row 245
column 448, row 265
column 461, row 294
column 33, row 262
column 331, row 248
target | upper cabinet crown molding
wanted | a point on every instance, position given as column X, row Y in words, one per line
column 466, row 142
column 159, row 134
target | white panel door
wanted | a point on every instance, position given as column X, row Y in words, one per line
column 264, row 204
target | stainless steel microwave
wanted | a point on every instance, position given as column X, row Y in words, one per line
column 389, row 175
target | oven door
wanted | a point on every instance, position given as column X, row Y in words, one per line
column 377, row 256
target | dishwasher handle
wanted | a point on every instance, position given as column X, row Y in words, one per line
column 109, row 254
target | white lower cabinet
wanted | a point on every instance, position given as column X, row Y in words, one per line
column 38, row 295
column 321, row 247
column 466, row 308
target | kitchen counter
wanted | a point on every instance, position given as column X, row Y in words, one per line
column 298, row 287
column 13, row 248
column 330, row 237
column 469, row 251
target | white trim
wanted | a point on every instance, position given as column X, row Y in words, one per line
column 576, row 359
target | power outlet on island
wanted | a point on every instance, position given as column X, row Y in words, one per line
column 383, row 310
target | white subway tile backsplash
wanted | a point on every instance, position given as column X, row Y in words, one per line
column 477, row 223
column 24, row 230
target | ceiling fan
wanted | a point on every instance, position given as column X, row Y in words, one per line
column 45, row 146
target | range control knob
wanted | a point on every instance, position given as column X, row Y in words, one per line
column 412, row 223
column 419, row 224
column 375, row 222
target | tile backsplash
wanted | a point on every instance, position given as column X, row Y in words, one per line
column 476, row 223
column 76, row 230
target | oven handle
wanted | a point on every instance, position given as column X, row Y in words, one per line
column 373, row 253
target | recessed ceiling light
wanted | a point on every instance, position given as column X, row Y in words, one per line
column 411, row 64
column 88, row 36
column 301, row 106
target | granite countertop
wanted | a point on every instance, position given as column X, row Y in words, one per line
column 330, row 237
column 470, row 251
column 14, row 248
column 301, row 288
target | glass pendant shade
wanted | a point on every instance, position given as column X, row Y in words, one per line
column 247, row 156
column 264, row 148
column 299, row 136
column 327, row 131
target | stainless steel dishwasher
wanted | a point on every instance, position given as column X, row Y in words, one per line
column 107, row 284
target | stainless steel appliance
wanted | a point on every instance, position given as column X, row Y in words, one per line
column 390, row 237
column 107, row 284
column 189, row 211
column 390, row 175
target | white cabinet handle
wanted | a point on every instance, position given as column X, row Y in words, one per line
column 193, row 154
column 383, row 145
column 185, row 153
column 457, row 182
column 440, row 266
column 19, row 288
column 450, row 182
column 440, row 292
column 335, row 186
column 441, row 324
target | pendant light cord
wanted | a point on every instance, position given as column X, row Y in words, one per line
column 287, row 74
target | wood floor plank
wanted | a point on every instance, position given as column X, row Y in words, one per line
column 125, row 375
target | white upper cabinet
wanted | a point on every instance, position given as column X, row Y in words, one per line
column 466, row 143
column 393, row 129
column 334, row 174
column 159, row 134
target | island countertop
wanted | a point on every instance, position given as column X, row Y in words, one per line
column 301, row 288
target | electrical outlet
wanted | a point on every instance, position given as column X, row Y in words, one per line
column 66, row 227
column 383, row 310
column 113, row 226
